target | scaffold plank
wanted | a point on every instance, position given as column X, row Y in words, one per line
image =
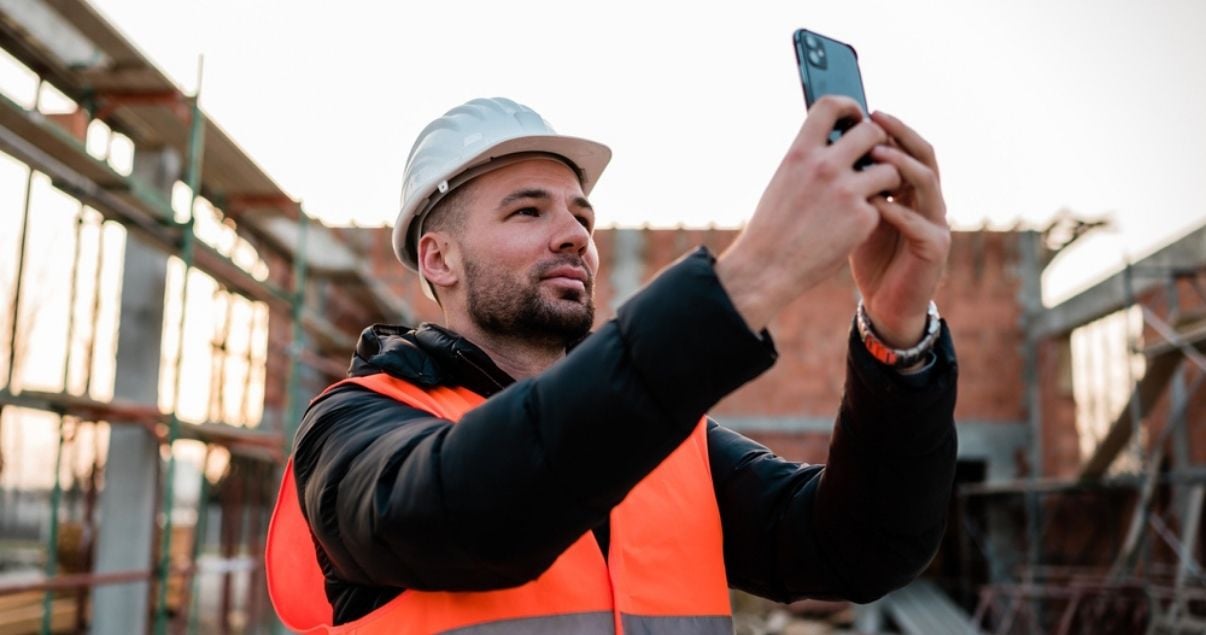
column 57, row 143
column 130, row 92
column 264, row 444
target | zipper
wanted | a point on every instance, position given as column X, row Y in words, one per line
column 480, row 370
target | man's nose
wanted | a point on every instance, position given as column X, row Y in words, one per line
column 570, row 235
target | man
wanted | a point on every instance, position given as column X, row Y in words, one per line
column 477, row 478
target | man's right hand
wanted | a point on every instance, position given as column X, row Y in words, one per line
column 814, row 212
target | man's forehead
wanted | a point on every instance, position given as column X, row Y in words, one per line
column 550, row 175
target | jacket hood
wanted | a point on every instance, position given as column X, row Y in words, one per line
column 427, row 356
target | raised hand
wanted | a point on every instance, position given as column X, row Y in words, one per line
column 898, row 267
column 814, row 212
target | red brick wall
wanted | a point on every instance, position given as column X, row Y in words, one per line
column 1061, row 442
column 1197, row 413
column 978, row 296
column 280, row 329
column 74, row 123
column 604, row 293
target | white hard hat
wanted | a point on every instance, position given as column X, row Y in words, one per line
column 469, row 140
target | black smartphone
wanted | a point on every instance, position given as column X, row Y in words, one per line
column 830, row 67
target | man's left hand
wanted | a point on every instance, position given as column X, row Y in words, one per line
column 898, row 267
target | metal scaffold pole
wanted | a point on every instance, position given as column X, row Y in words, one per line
column 196, row 144
column 292, row 405
column 198, row 540
column 52, row 561
column 298, row 299
column 56, row 494
column 22, row 247
column 1032, row 305
column 18, row 288
column 97, row 282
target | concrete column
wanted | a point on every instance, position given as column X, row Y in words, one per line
column 127, row 502
column 1004, row 541
column 627, row 265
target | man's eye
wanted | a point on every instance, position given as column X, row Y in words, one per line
column 527, row 211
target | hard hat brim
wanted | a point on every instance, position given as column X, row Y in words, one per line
column 589, row 157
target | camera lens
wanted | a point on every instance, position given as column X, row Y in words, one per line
column 811, row 42
column 814, row 56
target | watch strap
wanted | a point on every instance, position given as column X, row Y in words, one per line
column 897, row 357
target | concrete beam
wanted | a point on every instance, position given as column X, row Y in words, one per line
column 627, row 265
column 1110, row 295
column 997, row 443
column 325, row 253
column 71, row 48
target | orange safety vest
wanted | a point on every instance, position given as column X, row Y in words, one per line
column 664, row 572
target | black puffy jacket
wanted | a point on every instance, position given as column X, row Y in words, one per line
column 399, row 499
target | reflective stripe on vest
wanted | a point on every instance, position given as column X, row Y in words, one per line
column 664, row 574
column 603, row 622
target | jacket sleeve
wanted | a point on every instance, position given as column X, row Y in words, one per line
column 868, row 521
column 399, row 498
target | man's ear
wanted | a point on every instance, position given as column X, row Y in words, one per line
column 439, row 261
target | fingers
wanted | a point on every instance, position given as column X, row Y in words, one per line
column 858, row 141
column 876, row 178
column 909, row 140
column 928, row 240
column 824, row 115
column 923, row 179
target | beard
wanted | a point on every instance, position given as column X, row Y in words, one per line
column 501, row 306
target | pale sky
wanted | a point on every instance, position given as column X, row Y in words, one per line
column 1032, row 106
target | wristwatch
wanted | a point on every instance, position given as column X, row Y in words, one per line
column 895, row 357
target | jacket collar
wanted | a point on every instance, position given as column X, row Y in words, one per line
column 427, row 356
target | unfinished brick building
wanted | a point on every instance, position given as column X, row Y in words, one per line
column 791, row 408
column 1016, row 410
column 1078, row 508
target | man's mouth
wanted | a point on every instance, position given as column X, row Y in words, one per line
column 567, row 276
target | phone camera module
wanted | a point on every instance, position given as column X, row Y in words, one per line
column 816, row 56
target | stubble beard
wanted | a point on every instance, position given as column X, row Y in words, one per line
column 500, row 306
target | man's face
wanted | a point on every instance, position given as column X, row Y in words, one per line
column 528, row 253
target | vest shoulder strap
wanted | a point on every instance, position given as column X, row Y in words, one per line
column 295, row 579
column 442, row 401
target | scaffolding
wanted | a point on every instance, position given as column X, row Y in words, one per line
column 1125, row 558
column 1139, row 568
column 122, row 90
